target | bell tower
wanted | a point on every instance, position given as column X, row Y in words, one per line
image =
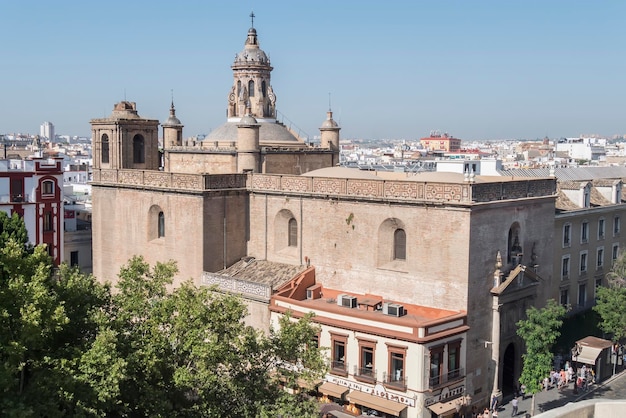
column 251, row 82
column 125, row 140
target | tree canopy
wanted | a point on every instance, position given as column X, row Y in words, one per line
column 539, row 330
column 70, row 346
column 611, row 300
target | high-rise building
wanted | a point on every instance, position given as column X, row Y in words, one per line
column 46, row 130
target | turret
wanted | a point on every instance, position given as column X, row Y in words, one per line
column 248, row 151
column 329, row 133
column 172, row 130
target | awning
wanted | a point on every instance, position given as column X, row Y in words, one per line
column 304, row 384
column 374, row 402
column 443, row 408
column 588, row 355
column 333, row 390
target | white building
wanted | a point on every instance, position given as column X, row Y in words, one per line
column 46, row 130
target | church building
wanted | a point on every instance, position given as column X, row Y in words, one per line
column 409, row 274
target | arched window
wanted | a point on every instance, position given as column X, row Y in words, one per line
column 399, row 244
column 251, row 88
column 105, row 149
column 263, row 88
column 161, row 226
column 293, row 233
column 138, row 149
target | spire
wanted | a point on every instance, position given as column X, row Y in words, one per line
column 252, row 18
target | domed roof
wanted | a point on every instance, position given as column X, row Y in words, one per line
column 172, row 120
column 329, row 123
column 251, row 53
column 248, row 120
column 270, row 134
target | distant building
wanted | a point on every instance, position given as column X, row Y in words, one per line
column 441, row 142
column 33, row 189
column 46, row 130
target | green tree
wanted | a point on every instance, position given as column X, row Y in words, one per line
column 539, row 330
column 45, row 325
column 188, row 352
column 611, row 301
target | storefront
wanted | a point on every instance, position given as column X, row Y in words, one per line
column 377, row 403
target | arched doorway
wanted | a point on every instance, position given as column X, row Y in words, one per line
column 508, row 371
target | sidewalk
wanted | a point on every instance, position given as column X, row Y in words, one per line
column 552, row 398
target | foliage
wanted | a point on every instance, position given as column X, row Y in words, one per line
column 13, row 227
column 611, row 301
column 71, row 347
column 539, row 332
column 45, row 325
column 189, row 353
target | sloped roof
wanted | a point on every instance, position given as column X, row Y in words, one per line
column 262, row 271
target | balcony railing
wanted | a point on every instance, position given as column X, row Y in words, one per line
column 339, row 367
column 366, row 374
column 440, row 380
column 14, row 198
column 393, row 381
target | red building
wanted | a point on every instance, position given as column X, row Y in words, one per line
column 441, row 142
column 33, row 189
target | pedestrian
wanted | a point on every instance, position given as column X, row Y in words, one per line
column 514, row 406
column 494, row 414
column 494, row 402
column 522, row 390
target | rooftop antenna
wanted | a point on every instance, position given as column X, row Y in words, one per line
column 252, row 17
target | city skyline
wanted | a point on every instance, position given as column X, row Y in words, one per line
column 477, row 70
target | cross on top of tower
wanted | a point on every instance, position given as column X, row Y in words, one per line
column 252, row 18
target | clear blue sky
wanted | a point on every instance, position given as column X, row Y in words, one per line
column 397, row 69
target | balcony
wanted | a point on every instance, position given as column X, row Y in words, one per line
column 365, row 374
column 443, row 379
column 394, row 381
column 14, row 198
column 339, row 367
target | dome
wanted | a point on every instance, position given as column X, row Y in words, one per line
column 270, row 134
column 251, row 53
column 248, row 120
column 329, row 123
column 172, row 120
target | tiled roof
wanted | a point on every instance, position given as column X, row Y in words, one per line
column 262, row 271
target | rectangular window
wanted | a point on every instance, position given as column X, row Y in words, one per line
column 47, row 221
column 396, row 377
column 601, row 229
column 338, row 354
column 366, row 371
column 74, row 258
column 565, row 267
column 582, row 294
column 436, row 366
column 47, row 187
column 567, row 231
column 564, row 297
column 616, row 225
column 600, row 258
column 454, row 360
column 584, row 232
column 615, row 252
column 583, row 262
